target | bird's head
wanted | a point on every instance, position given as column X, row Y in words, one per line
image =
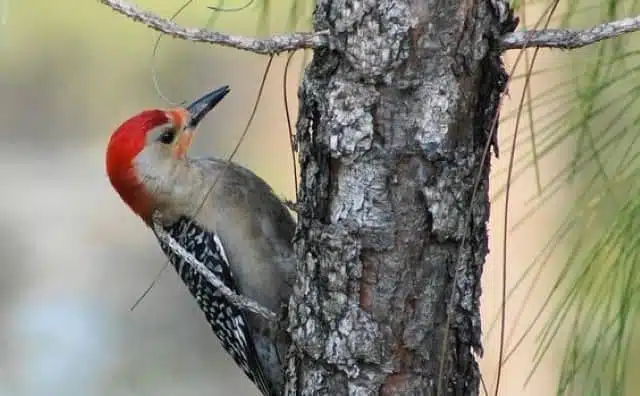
column 145, row 150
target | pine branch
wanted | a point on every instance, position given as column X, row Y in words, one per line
column 548, row 38
column 569, row 38
column 271, row 45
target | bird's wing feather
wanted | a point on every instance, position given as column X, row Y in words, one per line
column 229, row 323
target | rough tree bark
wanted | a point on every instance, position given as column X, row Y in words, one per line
column 392, row 129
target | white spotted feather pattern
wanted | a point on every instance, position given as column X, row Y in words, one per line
column 228, row 322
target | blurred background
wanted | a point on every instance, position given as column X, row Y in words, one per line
column 75, row 260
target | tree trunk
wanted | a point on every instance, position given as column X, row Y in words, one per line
column 392, row 129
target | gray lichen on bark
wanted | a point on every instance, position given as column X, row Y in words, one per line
column 393, row 123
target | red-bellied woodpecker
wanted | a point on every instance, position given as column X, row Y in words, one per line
column 221, row 213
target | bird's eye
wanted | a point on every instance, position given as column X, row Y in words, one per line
column 167, row 136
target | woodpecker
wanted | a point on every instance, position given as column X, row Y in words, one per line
column 223, row 214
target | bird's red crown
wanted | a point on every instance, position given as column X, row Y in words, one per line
column 125, row 144
column 132, row 137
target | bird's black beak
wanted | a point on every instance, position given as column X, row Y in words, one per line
column 199, row 108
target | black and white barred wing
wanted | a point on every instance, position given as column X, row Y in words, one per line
column 229, row 323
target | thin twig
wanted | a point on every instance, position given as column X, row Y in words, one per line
column 547, row 38
column 239, row 301
column 271, row 45
column 570, row 38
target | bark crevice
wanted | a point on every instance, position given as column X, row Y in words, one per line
column 392, row 128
